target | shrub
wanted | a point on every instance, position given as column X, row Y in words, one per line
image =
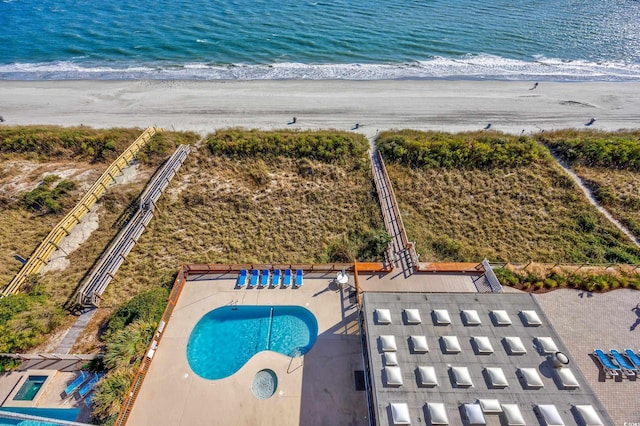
column 46, row 199
column 110, row 393
column 26, row 319
column 620, row 150
column 126, row 347
column 461, row 150
column 146, row 307
column 326, row 146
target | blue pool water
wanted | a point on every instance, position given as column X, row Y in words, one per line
column 30, row 388
column 227, row 337
column 67, row 414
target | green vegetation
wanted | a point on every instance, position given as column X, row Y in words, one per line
column 506, row 209
column 129, row 332
column 86, row 144
column 598, row 280
column 327, row 146
column 477, row 150
column 47, row 199
column 609, row 165
column 617, row 191
column 145, row 307
column 619, row 150
column 26, row 319
column 80, row 143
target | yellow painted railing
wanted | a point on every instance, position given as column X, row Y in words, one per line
column 41, row 255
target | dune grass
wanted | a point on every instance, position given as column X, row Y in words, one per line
column 514, row 209
column 260, row 208
column 609, row 164
column 617, row 191
column 43, row 151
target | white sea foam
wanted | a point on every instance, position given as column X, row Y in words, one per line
column 485, row 67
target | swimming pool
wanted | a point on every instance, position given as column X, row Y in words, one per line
column 30, row 388
column 227, row 337
column 67, row 414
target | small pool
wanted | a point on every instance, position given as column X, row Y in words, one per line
column 227, row 337
column 30, row 388
column 67, row 414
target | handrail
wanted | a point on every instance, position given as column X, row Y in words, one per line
column 41, row 255
column 270, row 324
column 103, row 272
column 394, row 201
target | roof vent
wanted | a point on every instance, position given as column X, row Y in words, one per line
column 558, row 360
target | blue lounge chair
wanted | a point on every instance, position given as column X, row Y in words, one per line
column 298, row 277
column 627, row 369
column 87, row 400
column 608, row 367
column 264, row 278
column 635, row 359
column 88, row 387
column 286, row 280
column 254, row 278
column 242, row 278
column 73, row 386
column 275, row 280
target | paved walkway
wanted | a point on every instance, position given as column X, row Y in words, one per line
column 74, row 332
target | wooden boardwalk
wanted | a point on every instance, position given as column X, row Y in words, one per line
column 400, row 253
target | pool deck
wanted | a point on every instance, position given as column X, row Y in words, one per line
column 318, row 388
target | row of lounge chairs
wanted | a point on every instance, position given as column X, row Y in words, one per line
column 266, row 278
column 615, row 363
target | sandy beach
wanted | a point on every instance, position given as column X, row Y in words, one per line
column 204, row 106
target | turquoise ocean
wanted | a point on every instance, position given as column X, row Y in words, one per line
column 560, row 40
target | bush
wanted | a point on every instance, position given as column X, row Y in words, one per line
column 326, row 146
column 620, row 150
column 461, row 150
column 146, row 307
column 46, row 199
column 26, row 320
column 126, row 347
column 110, row 394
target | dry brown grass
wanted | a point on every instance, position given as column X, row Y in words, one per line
column 617, row 191
column 22, row 230
column 223, row 211
column 517, row 214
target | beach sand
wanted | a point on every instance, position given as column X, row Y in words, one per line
column 204, row 106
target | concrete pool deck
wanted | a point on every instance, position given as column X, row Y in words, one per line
column 318, row 388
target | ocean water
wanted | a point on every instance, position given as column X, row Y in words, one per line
column 573, row 40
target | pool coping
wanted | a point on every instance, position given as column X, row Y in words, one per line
column 10, row 402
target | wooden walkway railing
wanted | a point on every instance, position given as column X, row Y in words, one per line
column 391, row 216
column 42, row 254
column 109, row 263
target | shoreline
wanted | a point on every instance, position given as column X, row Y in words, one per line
column 376, row 105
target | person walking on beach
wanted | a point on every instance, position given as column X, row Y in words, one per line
column 535, row 86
